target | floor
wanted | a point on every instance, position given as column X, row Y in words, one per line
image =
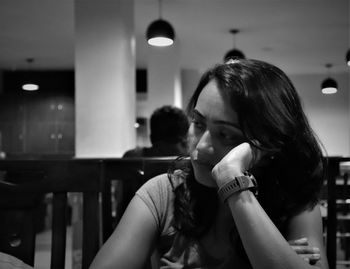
column 340, row 257
column 43, row 248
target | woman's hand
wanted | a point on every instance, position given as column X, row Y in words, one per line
column 235, row 163
column 305, row 251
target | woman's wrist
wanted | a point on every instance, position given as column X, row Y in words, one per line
column 224, row 174
column 238, row 184
column 245, row 194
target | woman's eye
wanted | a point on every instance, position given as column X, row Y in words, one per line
column 230, row 138
column 226, row 136
column 197, row 124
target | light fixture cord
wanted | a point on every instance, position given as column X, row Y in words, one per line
column 329, row 66
column 160, row 9
column 29, row 62
column 234, row 32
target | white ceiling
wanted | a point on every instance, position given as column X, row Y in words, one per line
column 300, row 36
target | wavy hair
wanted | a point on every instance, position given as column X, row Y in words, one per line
column 270, row 115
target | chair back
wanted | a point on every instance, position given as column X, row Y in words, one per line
column 24, row 184
column 22, row 188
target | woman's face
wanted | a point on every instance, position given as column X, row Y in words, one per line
column 213, row 132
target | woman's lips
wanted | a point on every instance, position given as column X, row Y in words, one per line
column 208, row 165
column 202, row 159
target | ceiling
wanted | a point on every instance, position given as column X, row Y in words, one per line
column 300, row 36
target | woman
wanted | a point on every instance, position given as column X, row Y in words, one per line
column 253, row 183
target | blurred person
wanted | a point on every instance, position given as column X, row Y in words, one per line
column 169, row 126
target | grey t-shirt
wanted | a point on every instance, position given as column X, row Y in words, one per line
column 174, row 250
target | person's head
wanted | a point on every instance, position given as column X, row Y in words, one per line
column 169, row 124
column 252, row 101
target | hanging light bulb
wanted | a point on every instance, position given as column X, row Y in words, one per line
column 329, row 85
column 348, row 57
column 160, row 33
column 234, row 53
column 29, row 85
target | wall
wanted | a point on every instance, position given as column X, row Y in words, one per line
column 164, row 80
column 190, row 79
column 328, row 114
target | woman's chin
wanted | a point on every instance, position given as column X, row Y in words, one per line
column 203, row 176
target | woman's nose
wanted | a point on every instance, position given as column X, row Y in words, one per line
column 205, row 143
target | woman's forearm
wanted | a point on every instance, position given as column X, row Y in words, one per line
column 264, row 244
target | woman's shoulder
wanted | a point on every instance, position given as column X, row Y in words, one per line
column 158, row 194
column 163, row 183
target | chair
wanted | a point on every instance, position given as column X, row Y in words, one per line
column 335, row 220
column 22, row 189
column 23, row 184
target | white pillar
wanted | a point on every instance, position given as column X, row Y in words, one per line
column 164, row 77
column 105, row 94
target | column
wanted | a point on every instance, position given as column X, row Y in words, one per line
column 105, row 93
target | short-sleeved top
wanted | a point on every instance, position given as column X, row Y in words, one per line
column 174, row 250
column 11, row 262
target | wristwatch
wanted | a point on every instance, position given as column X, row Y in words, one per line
column 238, row 184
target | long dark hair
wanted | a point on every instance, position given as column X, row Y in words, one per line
column 271, row 117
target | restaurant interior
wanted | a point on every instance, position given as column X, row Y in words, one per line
column 96, row 81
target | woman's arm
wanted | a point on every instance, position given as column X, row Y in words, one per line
column 309, row 223
column 264, row 244
column 132, row 242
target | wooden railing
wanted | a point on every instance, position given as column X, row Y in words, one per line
column 93, row 178
column 25, row 180
column 25, row 183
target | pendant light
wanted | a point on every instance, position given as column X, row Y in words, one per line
column 160, row 33
column 28, row 85
column 234, row 53
column 329, row 85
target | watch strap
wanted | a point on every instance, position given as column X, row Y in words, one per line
column 240, row 183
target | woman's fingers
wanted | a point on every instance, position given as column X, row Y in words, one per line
column 300, row 241
column 308, row 253
column 310, row 258
column 306, row 250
